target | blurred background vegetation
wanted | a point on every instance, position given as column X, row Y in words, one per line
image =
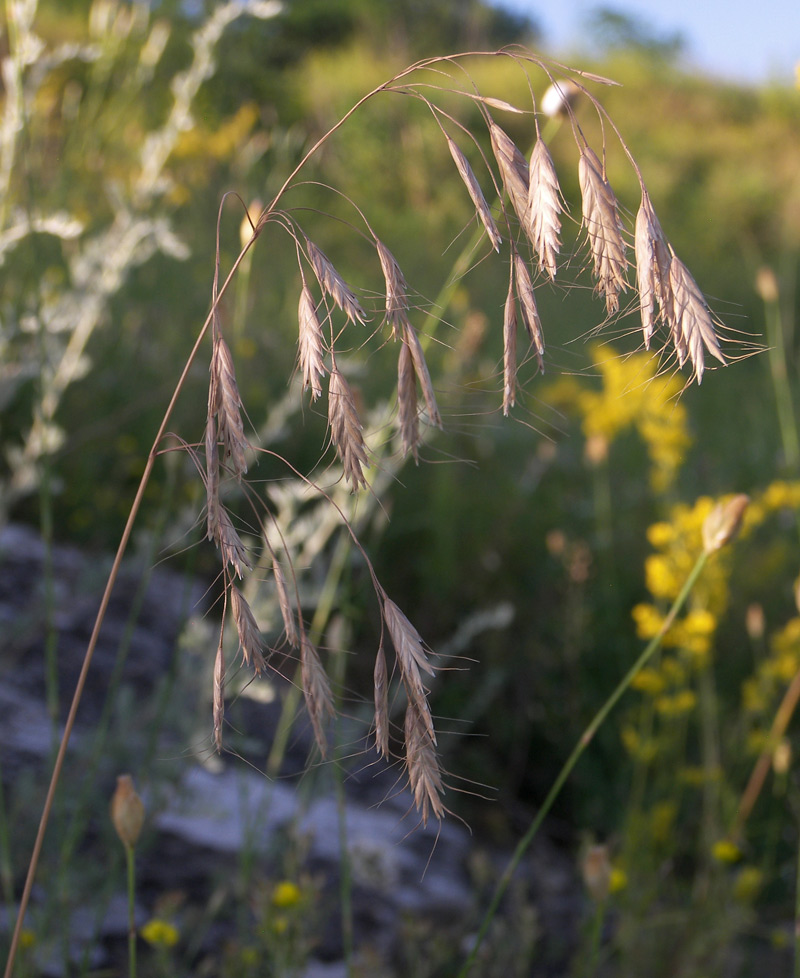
column 545, row 513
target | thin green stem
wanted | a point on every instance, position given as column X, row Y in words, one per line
column 586, row 738
column 129, row 857
column 780, row 384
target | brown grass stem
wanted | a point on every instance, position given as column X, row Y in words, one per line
column 586, row 738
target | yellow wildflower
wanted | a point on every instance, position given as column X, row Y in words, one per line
column 726, row 852
column 649, row 681
column 618, row 880
column 662, row 820
column 160, row 933
column 749, row 881
column 648, row 620
column 286, row 894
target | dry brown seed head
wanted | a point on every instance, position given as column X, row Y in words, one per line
column 509, row 350
column 513, row 170
column 723, row 522
column 311, row 348
column 227, row 404
column 346, row 431
column 411, row 339
column 316, row 689
column 422, row 765
column 332, row 283
column 250, row 640
column 127, row 811
column 230, row 544
column 543, row 224
column 287, row 614
column 408, row 417
column 653, row 261
column 527, row 305
column 603, row 229
column 692, row 323
column 475, row 192
column 381, row 683
column 396, row 290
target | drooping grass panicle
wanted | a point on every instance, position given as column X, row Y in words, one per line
column 311, row 348
column 513, row 170
column 346, row 430
column 652, row 269
column 332, row 284
column 692, row 322
column 509, row 349
column 316, row 689
column 475, row 192
column 603, row 228
column 543, row 224
column 396, row 290
column 250, row 641
column 408, row 415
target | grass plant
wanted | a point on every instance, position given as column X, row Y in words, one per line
column 288, row 533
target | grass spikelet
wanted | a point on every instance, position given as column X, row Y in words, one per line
column 289, row 624
column 527, row 305
column 408, row 418
column 412, row 659
column 332, row 283
column 475, row 192
column 603, row 228
column 544, row 205
column 230, row 544
column 346, row 430
column 250, row 640
column 652, row 269
column 226, row 402
column 509, row 350
column 411, row 340
column 513, row 170
column 218, row 699
column 396, row 290
column 316, row 689
column 422, row 765
column 381, row 687
column 692, row 322
column 311, row 349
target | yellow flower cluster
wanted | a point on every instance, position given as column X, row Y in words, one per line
column 632, row 395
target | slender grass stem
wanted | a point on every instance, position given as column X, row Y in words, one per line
column 586, row 738
column 131, row 868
